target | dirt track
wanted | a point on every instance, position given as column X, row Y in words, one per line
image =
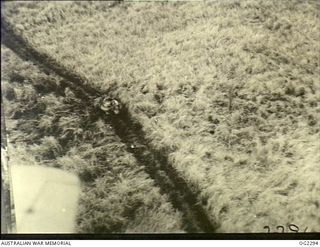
column 128, row 130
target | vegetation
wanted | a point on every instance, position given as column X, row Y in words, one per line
column 228, row 90
column 56, row 129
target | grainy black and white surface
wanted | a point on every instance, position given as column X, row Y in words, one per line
column 177, row 116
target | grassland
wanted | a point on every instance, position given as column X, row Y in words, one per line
column 228, row 91
column 49, row 126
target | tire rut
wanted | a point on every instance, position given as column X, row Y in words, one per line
column 127, row 129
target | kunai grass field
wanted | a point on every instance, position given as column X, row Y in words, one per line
column 48, row 128
column 227, row 91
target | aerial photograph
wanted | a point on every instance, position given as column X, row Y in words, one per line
column 160, row 117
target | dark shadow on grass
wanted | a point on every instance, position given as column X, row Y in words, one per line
column 155, row 162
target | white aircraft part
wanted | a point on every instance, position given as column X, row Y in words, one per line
column 45, row 199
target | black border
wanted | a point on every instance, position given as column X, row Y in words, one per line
column 197, row 236
column 160, row 236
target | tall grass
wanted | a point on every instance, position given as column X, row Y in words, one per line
column 53, row 129
column 227, row 89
